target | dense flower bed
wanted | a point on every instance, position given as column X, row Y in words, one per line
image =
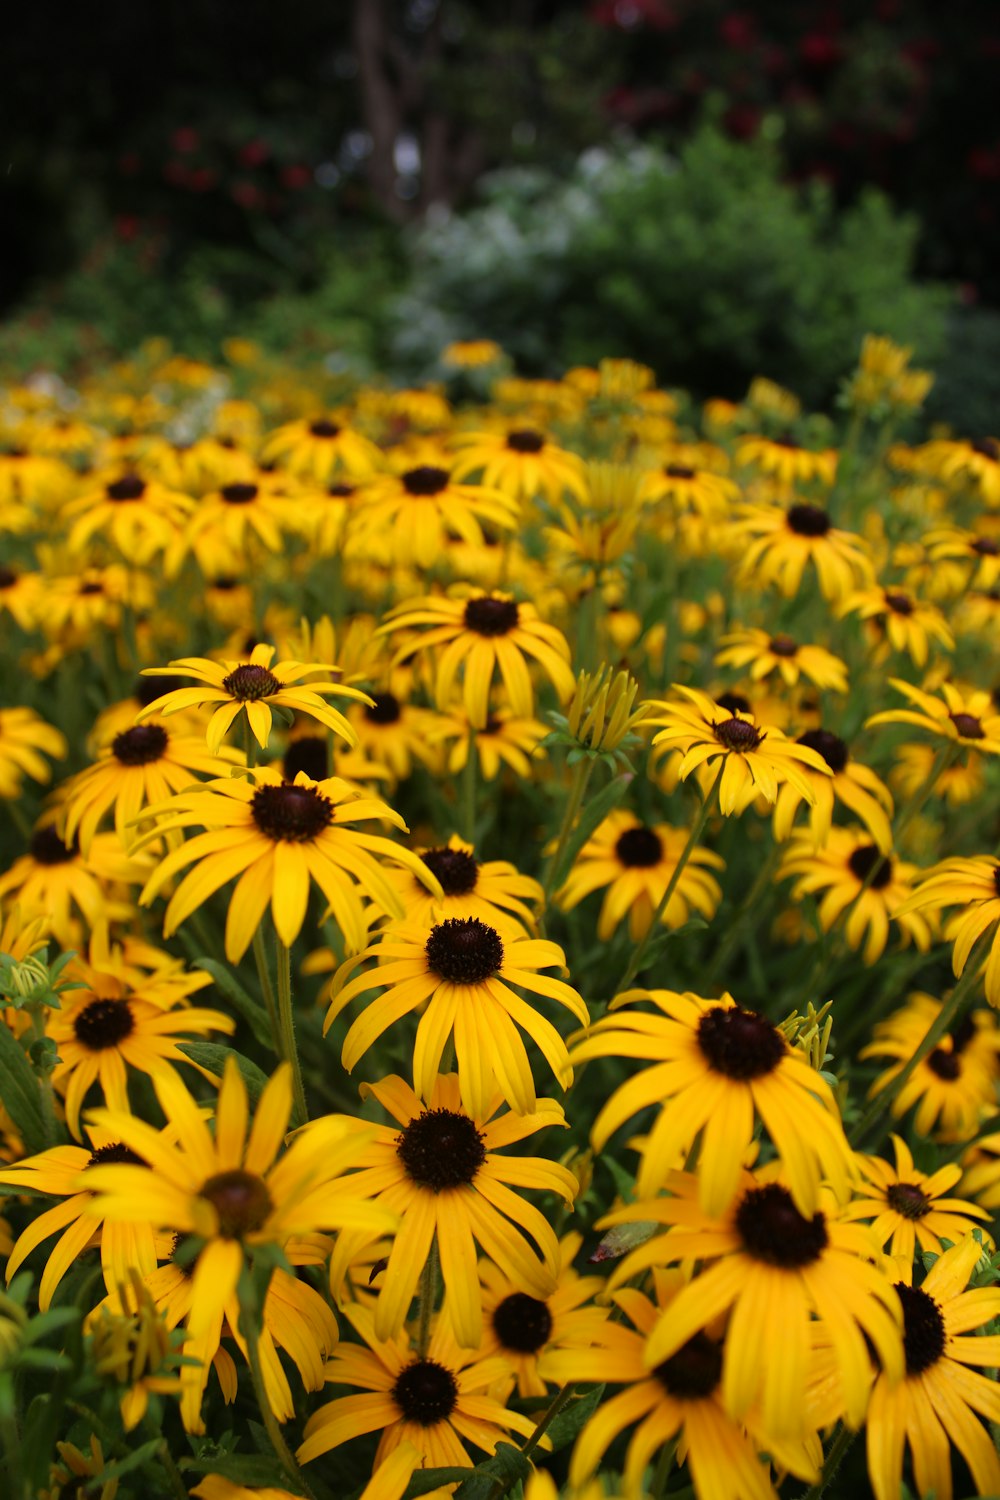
column 498, row 928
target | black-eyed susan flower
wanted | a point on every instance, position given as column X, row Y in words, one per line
column 141, row 517
column 853, row 875
column 974, row 459
column 504, row 740
column 233, row 1189
column 955, row 1084
column 788, row 461
column 89, row 597
column 855, row 785
column 320, row 448
column 979, row 550
column 111, row 1027
column 493, row 890
column 633, row 863
column 974, row 885
column 754, row 759
column 278, row 837
column 55, row 878
column 765, row 654
column 479, row 635
column 393, row 732
column 774, row 545
column 957, row 784
column 679, row 1397
column 689, row 488
column 716, row 1069
column 466, row 975
column 25, row 740
column 21, row 591
column 902, row 622
column 522, row 462
column 968, row 719
column 937, row 1402
column 418, row 510
column 61, row 1173
column 768, row 1266
column 253, row 687
column 443, row 1169
column 524, row 1330
column 906, row 1208
column 981, row 1171
column 437, row 1400
column 253, row 509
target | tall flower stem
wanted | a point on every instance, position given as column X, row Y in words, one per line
column 945, row 757
column 838, row 1449
column 266, row 988
column 468, row 810
column 578, row 789
column 639, row 953
column 550, row 1413
column 872, row 1122
column 736, row 930
column 286, row 1032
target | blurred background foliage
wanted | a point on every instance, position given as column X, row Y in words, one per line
column 713, row 188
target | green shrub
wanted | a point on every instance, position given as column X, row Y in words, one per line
column 706, row 266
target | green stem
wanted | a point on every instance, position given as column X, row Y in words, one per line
column 946, row 1018
column 271, row 1423
column 468, row 813
column 736, row 931
column 638, row 955
column 266, row 988
column 550, row 1413
column 287, row 1048
column 428, row 1297
column 838, row 1448
column 18, row 818
column 582, row 772
column 946, row 755
column 171, row 1470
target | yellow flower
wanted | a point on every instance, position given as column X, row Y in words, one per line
column 320, row 448
column 504, row 740
column 24, row 738
column 787, row 460
column 764, row 654
column 851, row 783
column 901, row 622
column 690, row 488
column 954, row 1084
column 470, row 354
column 774, row 545
column 141, row 517
column 969, row 719
column 973, row 884
column 416, row 513
column 54, row 878
column 520, row 461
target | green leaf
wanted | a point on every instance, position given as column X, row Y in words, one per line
column 245, row 1005
column 212, row 1056
column 508, row 1465
column 424, row 1480
column 20, row 1093
column 565, row 1427
column 623, row 1238
column 595, row 811
column 131, row 1461
column 240, row 1468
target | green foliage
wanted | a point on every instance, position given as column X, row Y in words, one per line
column 706, row 266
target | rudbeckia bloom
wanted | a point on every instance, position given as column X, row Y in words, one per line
column 278, row 837
column 679, row 1397
column 55, row 878
column 436, row 1401
column 140, row 517
column 253, row 508
column 461, row 971
column 756, row 759
column 839, row 870
column 955, row 1084
column 788, row 461
column 320, row 448
column 851, row 783
column 636, row 861
column 419, row 510
column 700, row 490
column 142, row 765
column 716, row 1069
column 482, row 633
column 956, row 785
column 774, row 545
column 980, row 549
column 252, row 687
column 968, row 719
column 975, row 458
column 973, row 884
column 443, row 1171
column 769, row 1266
column 906, row 1208
column 21, row 593
column 24, row 740
column 492, row 890
column 394, row 733
column 504, row 740
column 232, row 1189
column 766, row 654
column 521, row 462
column 62, row 1173
column 902, row 621
column 935, row 1404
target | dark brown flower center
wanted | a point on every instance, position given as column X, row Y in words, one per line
column 773, row 1230
column 734, row 703
column 525, row 440
column 8, row 577
column 986, row 546
column 129, row 487
column 783, row 645
column 340, row 491
column 92, row 586
column 489, row 616
column 441, row 1148
column 386, row 709
column 249, row 682
column 737, row 734
column 291, row 814
column 103, row 1024
column 425, row 1392
column 522, row 1323
column 679, row 471
column 307, row 754
column 900, row 604
column 832, row 748
column 241, row 1201
column 945, row 1065
column 239, row 494
column 986, row 447
column 456, row 869
column 739, row 1043
column 324, row 428
column 139, row 746
column 639, row 848
column 907, row 1199
column 425, row 480
column 923, row 1328
column 866, row 859
column 115, row 1154
column 968, row 726
column 694, row 1371
column 808, row 520
column 148, row 689
column 464, row 950
column 47, row 848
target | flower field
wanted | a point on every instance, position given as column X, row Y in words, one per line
column 498, row 937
